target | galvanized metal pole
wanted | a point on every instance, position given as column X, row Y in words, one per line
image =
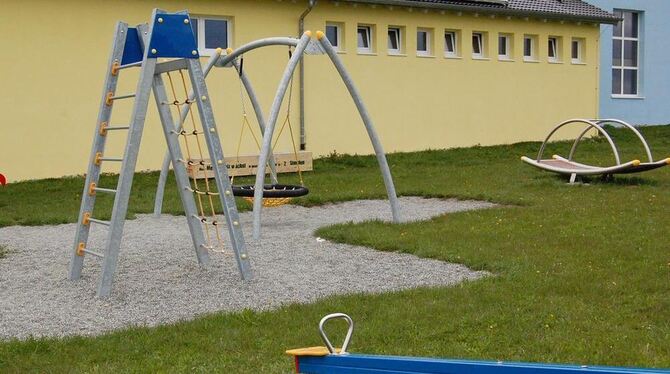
column 93, row 174
column 266, row 147
column 165, row 168
column 367, row 121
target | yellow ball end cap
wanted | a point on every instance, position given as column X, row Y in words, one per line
column 554, row 156
column 308, row 33
column 219, row 51
column 667, row 160
column 636, row 162
column 229, row 50
column 320, row 35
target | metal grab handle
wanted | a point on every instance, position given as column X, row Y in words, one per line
column 350, row 332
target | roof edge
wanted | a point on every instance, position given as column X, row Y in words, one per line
column 474, row 8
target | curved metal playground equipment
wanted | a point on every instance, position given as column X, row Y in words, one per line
column 567, row 166
column 303, row 45
column 322, row 360
column 166, row 53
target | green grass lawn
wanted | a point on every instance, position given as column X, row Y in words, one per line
column 582, row 272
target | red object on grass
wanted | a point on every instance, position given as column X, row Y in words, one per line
column 3, row 180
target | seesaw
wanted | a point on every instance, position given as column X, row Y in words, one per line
column 322, row 360
column 567, row 166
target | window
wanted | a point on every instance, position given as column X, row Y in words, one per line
column 450, row 49
column 529, row 48
column 334, row 35
column 577, row 51
column 554, row 49
column 364, row 39
column 504, row 47
column 210, row 33
column 477, row 45
column 625, row 54
column 394, row 40
column 423, row 42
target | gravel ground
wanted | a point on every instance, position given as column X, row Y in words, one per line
column 158, row 280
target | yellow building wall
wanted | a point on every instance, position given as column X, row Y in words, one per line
column 436, row 102
column 55, row 55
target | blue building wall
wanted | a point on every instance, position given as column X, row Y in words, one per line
column 653, row 103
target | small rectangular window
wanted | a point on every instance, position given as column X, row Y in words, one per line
column 364, row 39
column 504, row 47
column 394, row 40
column 450, row 44
column 577, row 51
column 530, row 48
column 334, row 35
column 211, row 32
column 477, row 45
column 626, row 54
column 423, row 42
column 553, row 49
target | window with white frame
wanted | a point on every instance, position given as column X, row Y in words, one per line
column 478, row 45
column 211, row 32
column 504, row 47
column 334, row 35
column 577, row 51
column 423, row 40
column 529, row 48
column 554, row 49
column 450, row 46
column 625, row 54
column 364, row 39
column 394, row 40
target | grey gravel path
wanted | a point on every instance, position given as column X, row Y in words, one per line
column 158, row 280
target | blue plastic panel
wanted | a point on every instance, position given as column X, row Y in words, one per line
column 172, row 37
column 132, row 51
column 369, row 364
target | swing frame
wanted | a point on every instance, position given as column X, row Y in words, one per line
column 304, row 45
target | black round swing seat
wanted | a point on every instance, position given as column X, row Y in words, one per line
column 272, row 190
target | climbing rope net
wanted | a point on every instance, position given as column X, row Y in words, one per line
column 191, row 142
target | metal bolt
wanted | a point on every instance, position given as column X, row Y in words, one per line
column 154, row 51
column 211, row 129
column 194, row 52
column 160, row 20
column 227, row 193
column 235, row 223
column 186, row 21
column 203, row 98
column 220, row 162
column 243, row 256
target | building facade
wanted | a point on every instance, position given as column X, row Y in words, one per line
column 434, row 74
column 635, row 79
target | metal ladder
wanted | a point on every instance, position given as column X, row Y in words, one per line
column 168, row 36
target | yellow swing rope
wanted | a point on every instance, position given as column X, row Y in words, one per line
column 287, row 121
column 245, row 123
column 198, row 193
column 269, row 202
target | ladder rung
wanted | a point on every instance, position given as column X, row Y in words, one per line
column 96, row 254
column 106, row 190
column 99, row 159
column 112, row 128
column 110, row 97
column 81, row 249
column 99, row 222
column 111, row 159
column 122, row 97
column 134, row 64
